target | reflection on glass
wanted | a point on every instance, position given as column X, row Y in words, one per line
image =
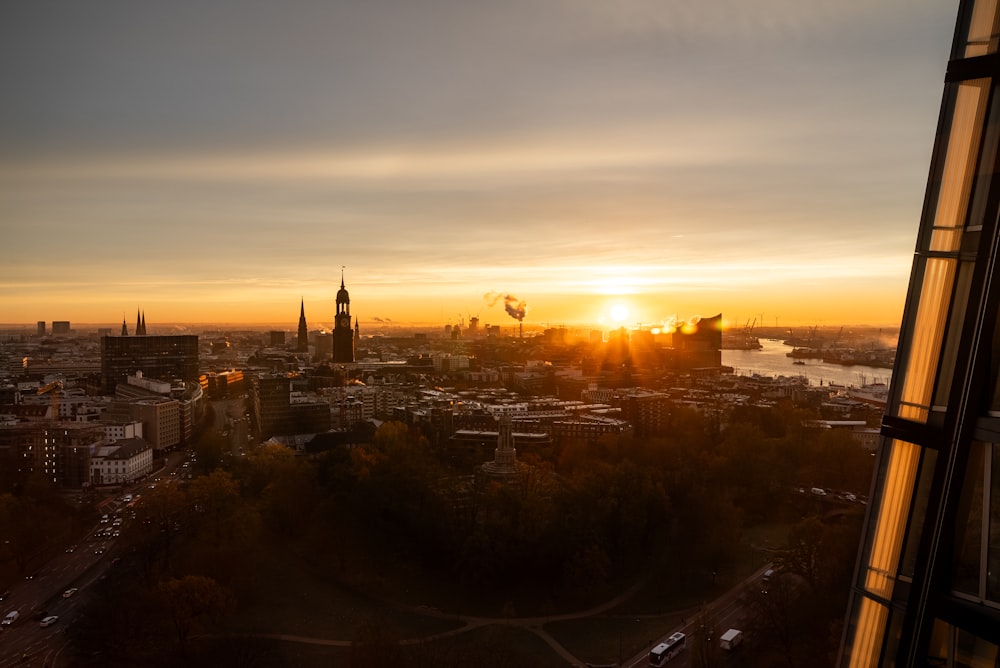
column 972, row 651
column 993, row 529
column 918, row 514
column 969, row 527
column 959, row 165
column 928, row 332
column 983, row 30
column 954, row 334
column 870, row 628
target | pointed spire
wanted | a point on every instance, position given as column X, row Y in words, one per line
column 138, row 321
column 124, row 326
column 144, row 323
column 342, row 277
column 303, row 342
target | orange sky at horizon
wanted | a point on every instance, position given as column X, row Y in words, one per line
column 764, row 160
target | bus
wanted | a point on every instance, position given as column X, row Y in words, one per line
column 667, row 649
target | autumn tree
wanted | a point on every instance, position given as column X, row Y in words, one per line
column 216, row 504
column 159, row 516
column 191, row 601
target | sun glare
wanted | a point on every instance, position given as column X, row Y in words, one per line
column 619, row 313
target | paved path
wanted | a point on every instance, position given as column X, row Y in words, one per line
column 469, row 623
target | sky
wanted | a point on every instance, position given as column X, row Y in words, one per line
column 601, row 161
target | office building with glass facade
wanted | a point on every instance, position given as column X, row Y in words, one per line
column 927, row 584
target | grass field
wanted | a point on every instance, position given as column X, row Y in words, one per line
column 300, row 597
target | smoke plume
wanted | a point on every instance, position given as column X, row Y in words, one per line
column 515, row 308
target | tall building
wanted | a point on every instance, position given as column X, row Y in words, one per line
column 302, row 343
column 158, row 357
column 927, row 584
column 343, row 335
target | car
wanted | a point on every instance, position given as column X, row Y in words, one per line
column 49, row 621
column 99, row 550
column 10, row 618
column 70, row 592
column 4, row 594
column 71, row 548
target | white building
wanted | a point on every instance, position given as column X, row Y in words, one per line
column 116, row 431
column 124, row 462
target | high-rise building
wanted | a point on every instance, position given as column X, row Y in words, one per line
column 343, row 335
column 41, row 328
column 927, row 584
column 158, row 357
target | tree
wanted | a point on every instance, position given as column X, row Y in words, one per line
column 23, row 526
column 216, row 501
column 190, row 601
column 209, row 448
column 159, row 516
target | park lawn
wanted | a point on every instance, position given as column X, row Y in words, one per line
column 293, row 597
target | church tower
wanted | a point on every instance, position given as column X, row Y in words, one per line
column 343, row 334
column 303, row 340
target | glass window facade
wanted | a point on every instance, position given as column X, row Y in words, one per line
column 927, row 590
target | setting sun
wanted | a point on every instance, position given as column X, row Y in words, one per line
column 619, row 313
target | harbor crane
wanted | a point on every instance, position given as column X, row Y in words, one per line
column 55, row 387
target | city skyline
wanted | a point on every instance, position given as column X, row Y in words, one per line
column 618, row 164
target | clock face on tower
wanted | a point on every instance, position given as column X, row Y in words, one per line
column 344, row 321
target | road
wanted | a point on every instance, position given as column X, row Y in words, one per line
column 727, row 612
column 25, row 644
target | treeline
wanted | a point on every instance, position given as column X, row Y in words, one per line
column 581, row 519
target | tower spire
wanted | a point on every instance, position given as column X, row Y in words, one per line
column 302, row 344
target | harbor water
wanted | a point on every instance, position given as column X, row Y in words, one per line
column 772, row 360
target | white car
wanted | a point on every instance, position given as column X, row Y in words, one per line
column 49, row 621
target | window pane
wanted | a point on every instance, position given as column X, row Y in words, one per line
column 993, row 550
column 869, row 629
column 893, row 513
column 961, row 154
column 939, row 648
column 973, row 652
column 982, row 36
column 994, row 352
column 959, row 302
column 928, row 332
column 969, row 527
column 918, row 513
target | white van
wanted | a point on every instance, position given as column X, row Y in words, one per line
column 731, row 639
column 10, row 618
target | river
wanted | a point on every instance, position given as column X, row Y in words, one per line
column 772, row 360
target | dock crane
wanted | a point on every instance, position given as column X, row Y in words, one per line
column 55, row 387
